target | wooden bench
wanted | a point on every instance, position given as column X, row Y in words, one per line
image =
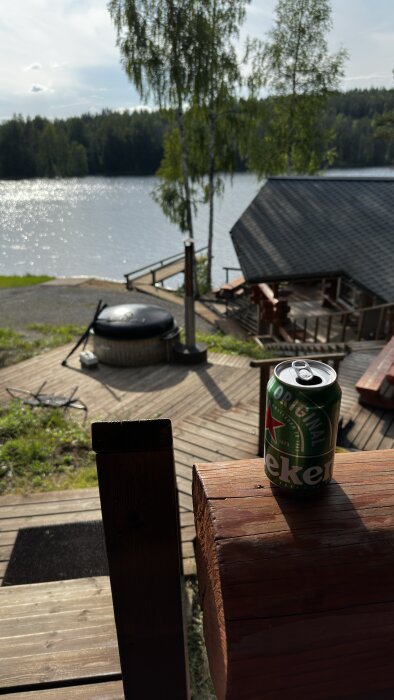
column 297, row 595
column 375, row 386
column 232, row 289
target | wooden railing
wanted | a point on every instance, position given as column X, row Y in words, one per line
column 265, row 367
column 231, row 269
column 154, row 267
column 313, row 328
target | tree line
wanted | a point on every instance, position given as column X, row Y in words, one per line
column 111, row 143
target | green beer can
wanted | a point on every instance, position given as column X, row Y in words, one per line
column 303, row 401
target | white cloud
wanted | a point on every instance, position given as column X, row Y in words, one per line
column 71, row 44
column 369, row 78
column 35, row 88
column 34, row 66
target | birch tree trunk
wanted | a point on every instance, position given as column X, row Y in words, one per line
column 211, row 197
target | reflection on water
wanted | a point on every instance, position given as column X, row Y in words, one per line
column 104, row 227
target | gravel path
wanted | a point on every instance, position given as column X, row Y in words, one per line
column 64, row 302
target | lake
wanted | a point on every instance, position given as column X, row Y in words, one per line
column 104, row 227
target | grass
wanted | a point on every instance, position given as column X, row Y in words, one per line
column 43, row 449
column 24, row 281
column 218, row 342
column 16, row 346
column 200, row 681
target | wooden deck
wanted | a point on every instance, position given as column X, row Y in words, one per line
column 368, row 428
column 214, row 410
column 194, row 399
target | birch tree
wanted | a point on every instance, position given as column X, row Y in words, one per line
column 218, row 78
column 157, row 40
column 211, row 120
column 299, row 72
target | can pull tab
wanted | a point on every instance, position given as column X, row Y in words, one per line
column 303, row 371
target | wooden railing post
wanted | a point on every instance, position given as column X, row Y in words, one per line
column 344, row 326
column 316, row 328
column 305, row 329
column 329, row 328
column 136, row 475
column 264, row 379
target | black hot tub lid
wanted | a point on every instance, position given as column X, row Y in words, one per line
column 136, row 321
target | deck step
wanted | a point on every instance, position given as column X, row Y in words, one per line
column 294, row 349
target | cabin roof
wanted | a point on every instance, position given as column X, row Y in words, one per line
column 300, row 227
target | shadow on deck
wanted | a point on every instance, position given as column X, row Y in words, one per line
column 214, row 411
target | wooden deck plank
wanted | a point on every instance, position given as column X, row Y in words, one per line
column 81, row 614
column 381, row 430
column 213, row 441
column 227, row 433
column 92, row 691
column 27, row 499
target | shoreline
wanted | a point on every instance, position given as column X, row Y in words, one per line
column 64, row 301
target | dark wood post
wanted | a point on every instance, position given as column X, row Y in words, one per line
column 329, row 328
column 264, row 379
column 136, row 475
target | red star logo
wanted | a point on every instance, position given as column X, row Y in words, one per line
column 271, row 424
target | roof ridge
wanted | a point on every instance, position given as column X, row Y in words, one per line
column 334, row 178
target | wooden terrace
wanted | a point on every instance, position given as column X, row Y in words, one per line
column 214, row 410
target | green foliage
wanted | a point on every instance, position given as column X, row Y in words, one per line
column 219, row 342
column 296, row 67
column 383, row 127
column 355, row 118
column 22, row 281
column 202, row 274
column 16, row 346
column 132, row 144
column 170, row 193
column 200, row 681
column 43, row 449
column 104, row 144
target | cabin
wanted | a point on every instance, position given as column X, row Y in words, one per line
column 331, row 236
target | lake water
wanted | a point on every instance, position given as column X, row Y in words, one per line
column 104, row 227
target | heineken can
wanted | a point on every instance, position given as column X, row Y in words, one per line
column 303, row 400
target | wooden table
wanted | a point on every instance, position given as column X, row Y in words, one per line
column 298, row 595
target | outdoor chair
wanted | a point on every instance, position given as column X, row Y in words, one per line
column 37, row 399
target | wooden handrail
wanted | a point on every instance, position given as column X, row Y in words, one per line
column 353, row 312
column 160, row 263
column 137, row 485
column 269, row 361
column 344, row 316
column 265, row 366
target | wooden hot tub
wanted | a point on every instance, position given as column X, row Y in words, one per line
column 134, row 335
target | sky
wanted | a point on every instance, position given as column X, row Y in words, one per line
column 59, row 57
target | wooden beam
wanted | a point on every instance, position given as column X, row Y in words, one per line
column 297, row 595
column 136, row 475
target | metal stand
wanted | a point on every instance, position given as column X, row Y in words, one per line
column 189, row 353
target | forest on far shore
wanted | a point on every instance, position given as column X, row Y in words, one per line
column 113, row 143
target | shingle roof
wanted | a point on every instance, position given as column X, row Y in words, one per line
column 315, row 227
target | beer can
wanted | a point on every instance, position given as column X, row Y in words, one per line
column 303, row 401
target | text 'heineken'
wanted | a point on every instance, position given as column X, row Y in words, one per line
column 303, row 400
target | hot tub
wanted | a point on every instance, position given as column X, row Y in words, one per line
column 134, row 334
